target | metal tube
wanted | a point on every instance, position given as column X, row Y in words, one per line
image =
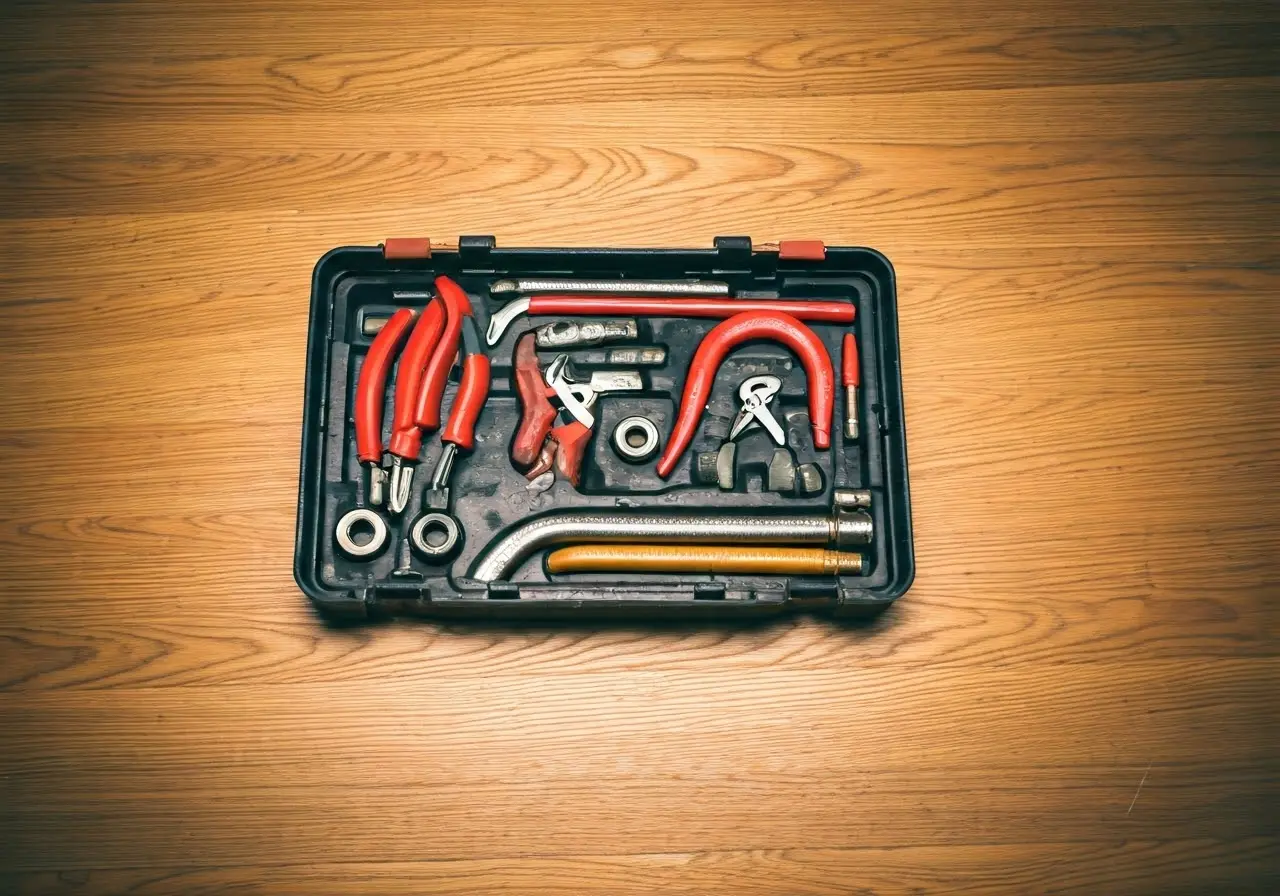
column 840, row 529
column 700, row 558
column 607, row 287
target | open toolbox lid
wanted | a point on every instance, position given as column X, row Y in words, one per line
column 356, row 289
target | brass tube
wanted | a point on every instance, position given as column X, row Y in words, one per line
column 703, row 558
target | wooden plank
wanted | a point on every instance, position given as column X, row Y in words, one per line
column 406, row 77
column 1173, row 109
column 192, row 760
column 892, row 177
column 1120, row 868
column 122, row 27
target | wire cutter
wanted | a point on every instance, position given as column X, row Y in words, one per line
column 420, row 383
column 756, row 393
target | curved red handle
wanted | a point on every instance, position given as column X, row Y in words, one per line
column 406, row 437
column 371, row 388
column 731, row 333
column 467, row 402
column 436, row 376
column 536, row 412
column 801, row 309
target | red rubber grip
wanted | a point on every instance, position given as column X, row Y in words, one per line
column 571, row 440
column 537, row 413
column 849, row 373
column 456, row 307
column 371, row 388
column 467, row 402
column 800, row 309
column 732, row 333
column 406, row 437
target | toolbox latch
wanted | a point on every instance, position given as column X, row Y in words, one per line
column 473, row 251
column 802, row 250
column 406, row 248
column 734, row 252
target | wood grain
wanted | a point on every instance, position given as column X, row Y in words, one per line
column 1077, row 695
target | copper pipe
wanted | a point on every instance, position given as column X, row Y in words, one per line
column 704, row 559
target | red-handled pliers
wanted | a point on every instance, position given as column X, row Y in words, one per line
column 424, row 371
column 719, row 342
column 371, row 389
column 473, row 391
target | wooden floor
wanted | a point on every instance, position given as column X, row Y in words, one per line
column 1078, row 695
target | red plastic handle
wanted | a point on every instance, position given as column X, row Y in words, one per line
column 537, row 413
column 406, row 437
column 371, row 388
column 456, row 307
column 731, row 333
column 571, row 441
column 800, row 309
column 467, row 402
column 849, row 373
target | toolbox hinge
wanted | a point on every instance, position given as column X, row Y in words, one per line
column 406, row 248
column 813, row 592
column 802, row 250
column 734, row 252
column 473, row 251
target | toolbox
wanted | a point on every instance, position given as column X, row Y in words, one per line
column 670, row 434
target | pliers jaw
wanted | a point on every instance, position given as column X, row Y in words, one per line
column 399, row 484
column 377, row 489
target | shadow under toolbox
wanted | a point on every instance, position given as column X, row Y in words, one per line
column 671, row 433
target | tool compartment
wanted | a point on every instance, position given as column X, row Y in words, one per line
column 354, row 289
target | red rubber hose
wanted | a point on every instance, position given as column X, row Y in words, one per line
column 726, row 336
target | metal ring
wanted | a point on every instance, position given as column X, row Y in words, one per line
column 434, row 522
column 622, row 438
column 350, row 519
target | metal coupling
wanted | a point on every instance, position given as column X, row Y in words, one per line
column 661, row 526
column 850, row 528
column 851, row 498
column 564, row 334
column 638, row 356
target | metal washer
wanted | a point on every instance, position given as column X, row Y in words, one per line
column 349, row 520
column 439, row 522
column 622, row 443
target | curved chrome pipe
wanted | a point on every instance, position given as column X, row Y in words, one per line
column 840, row 529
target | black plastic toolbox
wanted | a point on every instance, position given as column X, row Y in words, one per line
column 489, row 496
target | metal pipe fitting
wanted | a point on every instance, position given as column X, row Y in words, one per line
column 840, row 529
column 851, row 498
